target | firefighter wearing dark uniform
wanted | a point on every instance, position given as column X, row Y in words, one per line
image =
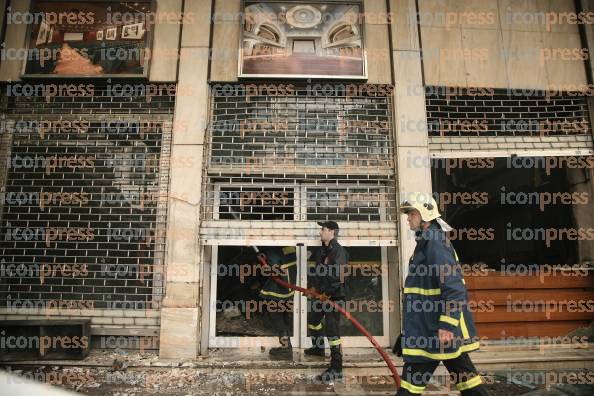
column 437, row 325
column 283, row 262
column 327, row 277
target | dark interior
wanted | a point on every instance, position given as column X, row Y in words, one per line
column 494, row 214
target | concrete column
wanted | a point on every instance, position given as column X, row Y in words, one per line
column 588, row 6
column 410, row 120
column 225, row 46
column 15, row 37
column 182, row 309
column 377, row 42
column 165, row 42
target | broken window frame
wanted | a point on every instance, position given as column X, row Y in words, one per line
column 300, row 339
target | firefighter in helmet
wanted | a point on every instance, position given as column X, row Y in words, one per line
column 437, row 324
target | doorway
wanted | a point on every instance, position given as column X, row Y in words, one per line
column 238, row 313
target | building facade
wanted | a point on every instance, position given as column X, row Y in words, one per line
column 148, row 146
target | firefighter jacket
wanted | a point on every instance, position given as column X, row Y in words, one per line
column 435, row 298
column 283, row 265
column 329, row 275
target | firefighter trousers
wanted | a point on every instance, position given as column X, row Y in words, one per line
column 330, row 327
column 415, row 376
column 281, row 321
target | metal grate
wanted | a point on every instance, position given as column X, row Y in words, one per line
column 303, row 156
column 85, row 201
column 500, row 112
column 347, row 203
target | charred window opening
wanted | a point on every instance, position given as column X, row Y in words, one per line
column 363, row 286
column 517, row 209
column 240, row 308
column 473, row 112
column 346, row 203
column 85, row 204
column 256, row 203
column 321, row 152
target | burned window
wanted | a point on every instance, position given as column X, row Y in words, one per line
column 518, row 210
column 500, row 112
column 242, row 309
column 333, row 148
column 256, row 203
column 351, row 203
column 84, row 211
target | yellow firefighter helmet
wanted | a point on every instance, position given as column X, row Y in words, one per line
column 424, row 203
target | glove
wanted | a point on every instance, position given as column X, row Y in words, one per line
column 397, row 348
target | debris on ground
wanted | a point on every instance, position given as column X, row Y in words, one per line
column 130, row 373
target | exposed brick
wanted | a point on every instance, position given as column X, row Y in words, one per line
column 91, row 312
column 489, row 146
column 135, row 314
column 115, row 313
column 585, row 138
column 100, row 320
column 525, row 145
column 512, row 139
column 146, row 322
column 558, row 138
column 532, row 139
column 542, row 145
column 123, row 321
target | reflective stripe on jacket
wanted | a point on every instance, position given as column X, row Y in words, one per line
column 284, row 264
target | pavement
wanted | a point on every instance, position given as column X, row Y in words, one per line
column 252, row 372
column 223, row 372
column 565, row 390
column 181, row 382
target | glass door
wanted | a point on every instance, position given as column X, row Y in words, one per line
column 244, row 309
column 366, row 280
column 240, row 311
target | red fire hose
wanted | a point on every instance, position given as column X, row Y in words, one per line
column 318, row 296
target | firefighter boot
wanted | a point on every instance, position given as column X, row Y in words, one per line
column 317, row 348
column 334, row 372
column 285, row 351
